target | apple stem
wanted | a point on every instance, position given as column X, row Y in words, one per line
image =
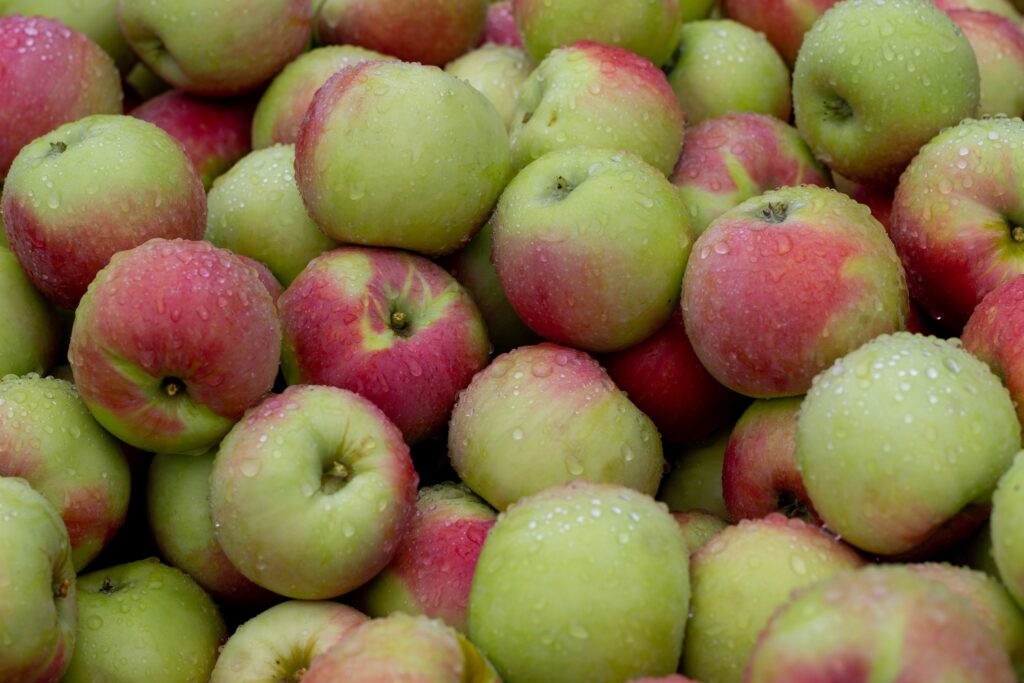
column 399, row 321
column 1017, row 233
column 299, row 674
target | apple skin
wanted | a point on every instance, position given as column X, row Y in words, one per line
column 279, row 643
column 664, row 378
column 942, row 431
column 782, row 285
column 581, row 582
column 214, row 133
column 401, row 155
column 500, row 27
column 80, row 79
column 497, row 71
column 179, row 519
column 391, row 326
column 173, row 341
column 649, row 29
column 731, row 158
column 998, row 44
column 878, row 624
column 698, row 527
column 694, row 481
column 29, row 331
column 759, row 473
column 330, row 515
column 674, row 678
column 48, row 438
column 994, row 333
column 1003, row 8
column 216, row 49
column 580, row 236
column 402, row 648
column 858, row 105
column 37, row 599
column 783, row 22
column 161, row 624
column 593, row 95
column 97, row 20
column 543, row 415
column 284, row 103
column 741, row 577
column 432, row 32
column 956, row 217
column 255, row 209
column 91, row 188
column 724, row 66
column 1007, row 512
column 433, row 568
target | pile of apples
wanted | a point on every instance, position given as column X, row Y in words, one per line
column 552, row 341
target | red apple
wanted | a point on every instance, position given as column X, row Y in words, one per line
column 995, row 334
column 501, row 28
column 998, row 45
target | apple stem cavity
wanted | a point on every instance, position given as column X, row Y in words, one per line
column 335, row 477
column 400, row 323
column 172, row 386
column 1017, row 233
column 838, row 109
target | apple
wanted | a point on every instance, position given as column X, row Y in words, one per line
column 649, row 29
column 998, row 44
column 97, row 20
column 172, row 343
column 402, row 648
column 901, row 437
column 740, row 577
column 214, row 133
column 91, row 188
column 279, row 644
column 429, row 32
column 956, row 219
column 179, row 517
column 694, row 481
column 724, row 66
column 759, row 473
column 674, row 678
column 976, row 552
column 255, row 209
column 873, row 83
column 159, row 622
column 433, row 568
column 80, row 79
column 782, row 285
column 878, row 624
column 311, row 492
column 1004, row 8
column 695, row 10
column 594, row 95
column 1007, row 511
column 391, row 326
column 581, row 582
column 698, row 527
column 216, row 48
column 284, row 103
column 37, row 587
column 29, row 332
column 500, row 27
column 783, row 22
column 664, row 378
column 590, row 247
column 994, row 332
column 401, row 155
column 142, row 84
column 497, row 71
column 543, row 415
column 731, row 158
column 48, row 438
column 472, row 267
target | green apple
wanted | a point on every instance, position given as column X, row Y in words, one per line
column 29, row 332
column 873, row 82
column 582, row 582
column 694, row 481
column 37, row 587
column 497, row 71
column 96, row 19
column 724, row 66
column 255, row 210
column 1007, row 543
column 698, row 527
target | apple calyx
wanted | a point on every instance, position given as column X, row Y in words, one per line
column 774, row 212
column 791, row 505
column 62, row 589
column 108, row 587
column 57, row 148
column 838, row 108
column 334, row 478
column 172, row 386
column 563, row 188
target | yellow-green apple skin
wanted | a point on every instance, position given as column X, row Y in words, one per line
column 740, row 577
column 37, row 587
column 694, row 481
column 545, row 415
column 724, row 66
column 401, row 155
column 648, row 28
column 29, row 331
column 279, row 643
column 96, row 19
column 49, row 438
column 597, row 95
column 216, row 48
column 162, row 626
column 582, row 582
column 497, row 71
column 1007, row 539
column 698, row 527
column 860, row 106
column 590, row 246
column 255, row 210
column 880, row 624
column 901, row 436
